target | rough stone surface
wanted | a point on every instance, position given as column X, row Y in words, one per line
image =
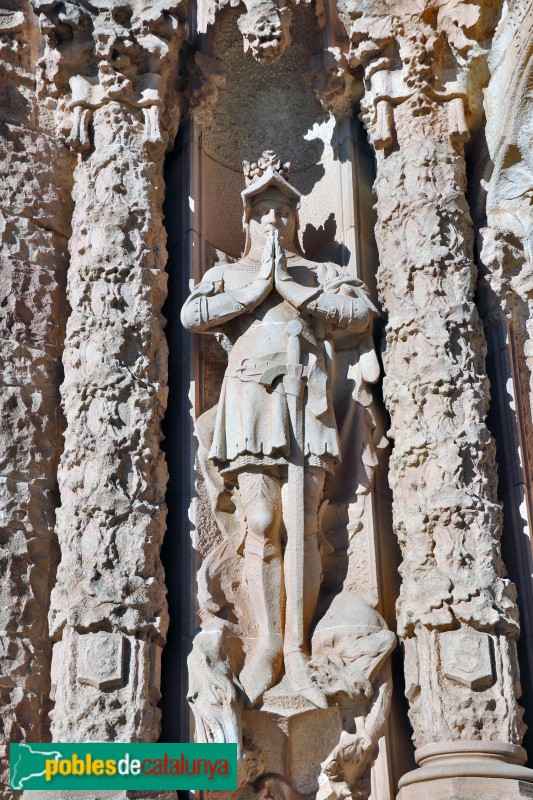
column 290, row 663
column 418, row 70
column 35, row 211
column 505, row 243
column 108, row 604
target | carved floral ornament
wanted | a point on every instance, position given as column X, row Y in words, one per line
column 111, row 52
column 273, row 640
column 421, row 54
column 416, row 53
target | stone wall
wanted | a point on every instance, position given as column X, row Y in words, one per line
column 91, row 98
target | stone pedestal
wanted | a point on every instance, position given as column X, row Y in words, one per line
column 466, row 770
column 293, row 738
column 468, row 789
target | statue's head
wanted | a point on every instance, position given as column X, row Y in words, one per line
column 270, row 201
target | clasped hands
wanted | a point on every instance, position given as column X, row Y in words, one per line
column 274, row 272
column 274, row 263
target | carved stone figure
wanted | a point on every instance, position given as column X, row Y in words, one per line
column 294, row 527
column 266, row 452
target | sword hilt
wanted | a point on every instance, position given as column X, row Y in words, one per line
column 293, row 372
column 294, row 380
column 294, row 329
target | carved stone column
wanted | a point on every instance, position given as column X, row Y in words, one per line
column 34, row 228
column 506, row 296
column 108, row 609
column 457, row 615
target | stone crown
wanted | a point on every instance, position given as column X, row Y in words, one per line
column 255, row 171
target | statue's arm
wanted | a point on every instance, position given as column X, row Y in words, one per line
column 341, row 301
column 211, row 304
column 352, row 312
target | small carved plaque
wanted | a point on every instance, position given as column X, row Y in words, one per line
column 466, row 658
column 101, row 660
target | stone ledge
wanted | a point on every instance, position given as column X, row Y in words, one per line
column 468, row 789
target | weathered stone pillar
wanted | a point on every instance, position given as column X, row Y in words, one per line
column 506, row 297
column 108, row 609
column 457, row 615
column 34, row 227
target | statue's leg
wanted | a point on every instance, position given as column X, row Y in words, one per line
column 296, row 646
column 260, row 495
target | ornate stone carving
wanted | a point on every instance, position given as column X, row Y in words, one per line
column 35, row 206
column 466, row 658
column 332, row 80
column 266, row 30
column 291, row 664
column 257, row 170
column 117, row 53
column 418, row 69
column 506, row 241
column 110, row 593
column 443, row 533
column 269, row 452
column 205, row 78
column 506, row 289
column 101, row 660
column 419, row 62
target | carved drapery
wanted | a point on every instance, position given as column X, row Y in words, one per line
column 108, row 610
column 275, row 728
column 34, row 228
column 260, row 673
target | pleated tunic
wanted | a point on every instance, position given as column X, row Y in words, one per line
column 252, row 426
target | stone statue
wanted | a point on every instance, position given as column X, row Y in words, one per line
column 266, row 452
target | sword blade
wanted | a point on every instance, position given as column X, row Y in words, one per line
column 295, row 521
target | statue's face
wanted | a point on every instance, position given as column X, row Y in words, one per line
column 273, row 210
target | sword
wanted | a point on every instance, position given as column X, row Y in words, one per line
column 294, row 376
column 295, row 647
column 294, row 383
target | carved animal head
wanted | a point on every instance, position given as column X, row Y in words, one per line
column 349, row 646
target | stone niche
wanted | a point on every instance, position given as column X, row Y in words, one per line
column 246, row 108
column 271, row 107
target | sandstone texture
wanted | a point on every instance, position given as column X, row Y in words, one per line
column 108, row 613
column 387, row 207
column 35, row 213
